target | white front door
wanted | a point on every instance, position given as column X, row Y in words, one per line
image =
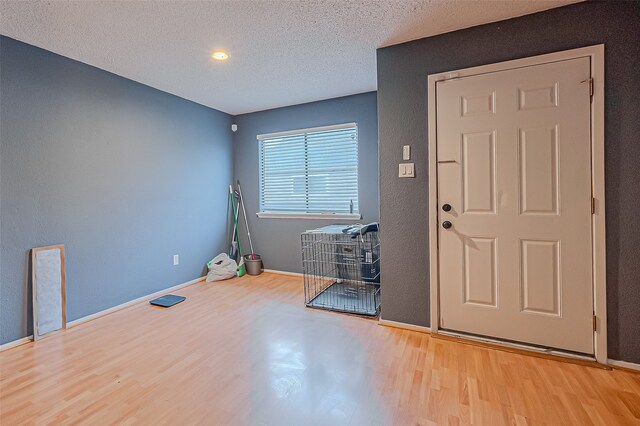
column 514, row 165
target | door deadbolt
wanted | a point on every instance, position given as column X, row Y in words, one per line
column 446, row 207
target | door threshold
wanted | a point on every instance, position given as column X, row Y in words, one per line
column 520, row 348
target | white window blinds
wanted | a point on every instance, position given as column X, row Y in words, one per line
column 311, row 171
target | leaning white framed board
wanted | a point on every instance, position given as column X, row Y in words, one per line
column 49, row 290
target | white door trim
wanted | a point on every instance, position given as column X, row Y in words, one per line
column 596, row 55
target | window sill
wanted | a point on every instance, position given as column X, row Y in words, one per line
column 325, row 216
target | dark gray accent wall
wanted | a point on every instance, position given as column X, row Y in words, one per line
column 124, row 175
column 278, row 240
column 402, row 117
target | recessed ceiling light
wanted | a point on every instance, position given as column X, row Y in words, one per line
column 220, row 55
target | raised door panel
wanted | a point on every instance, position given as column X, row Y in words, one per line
column 541, row 289
column 480, row 271
column 479, row 172
column 538, row 170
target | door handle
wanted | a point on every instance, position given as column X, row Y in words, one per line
column 446, row 224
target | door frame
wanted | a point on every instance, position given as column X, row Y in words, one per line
column 596, row 55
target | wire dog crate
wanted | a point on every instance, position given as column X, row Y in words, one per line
column 341, row 268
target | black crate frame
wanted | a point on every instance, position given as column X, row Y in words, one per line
column 341, row 271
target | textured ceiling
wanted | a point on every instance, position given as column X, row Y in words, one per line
column 281, row 52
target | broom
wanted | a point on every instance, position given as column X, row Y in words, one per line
column 241, row 267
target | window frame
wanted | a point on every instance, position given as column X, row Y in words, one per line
column 302, row 215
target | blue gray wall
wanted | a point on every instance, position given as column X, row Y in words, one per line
column 402, row 108
column 278, row 240
column 124, row 175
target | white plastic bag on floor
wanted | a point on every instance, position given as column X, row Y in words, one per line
column 221, row 267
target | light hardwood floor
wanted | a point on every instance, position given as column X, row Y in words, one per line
column 246, row 351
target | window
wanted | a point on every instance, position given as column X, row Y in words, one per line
column 310, row 172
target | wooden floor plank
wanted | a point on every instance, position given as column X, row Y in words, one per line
column 247, row 352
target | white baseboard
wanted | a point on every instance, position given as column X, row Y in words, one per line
column 82, row 320
column 132, row 302
column 624, row 364
column 15, row 343
column 275, row 271
column 404, row 326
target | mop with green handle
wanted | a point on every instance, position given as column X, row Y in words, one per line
column 241, row 267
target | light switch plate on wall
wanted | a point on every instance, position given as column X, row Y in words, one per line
column 406, row 170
